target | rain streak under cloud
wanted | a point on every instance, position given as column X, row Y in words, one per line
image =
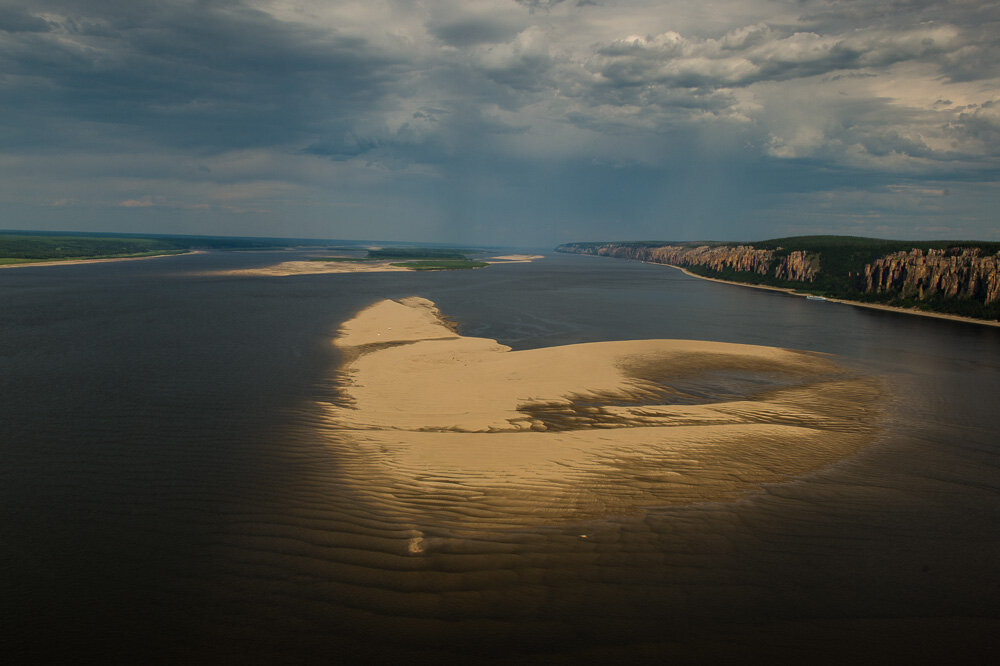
column 523, row 122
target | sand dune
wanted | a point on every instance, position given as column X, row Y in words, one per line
column 465, row 427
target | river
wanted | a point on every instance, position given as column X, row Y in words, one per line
column 170, row 493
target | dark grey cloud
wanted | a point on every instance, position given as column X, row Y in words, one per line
column 671, row 104
column 487, row 116
column 527, row 72
column 980, row 122
column 539, row 4
column 978, row 20
column 760, row 53
column 848, row 14
column 546, row 5
column 977, row 59
column 15, row 19
column 211, row 75
column 432, row 136
column 475, row 30
column 881, row 143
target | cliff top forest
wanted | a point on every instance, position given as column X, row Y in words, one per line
column 962, row 278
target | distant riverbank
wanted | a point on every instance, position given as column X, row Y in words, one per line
column 860, row 304
column 101, row 260
column 958, row 280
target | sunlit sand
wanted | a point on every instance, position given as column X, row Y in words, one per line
column 514, row 258
column 106, row 260
column 286, row 268
column 466, row 428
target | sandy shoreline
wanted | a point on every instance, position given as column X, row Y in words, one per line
column 860, row 304
column 579, row 430
column 306, row 267
column 287, row 268
column 71, row 262
column 515, row 258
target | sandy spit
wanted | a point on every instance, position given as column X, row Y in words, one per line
column 317, row 268
column 71, row 262
column 514, row 258
column 325, row 267
column 461, row 427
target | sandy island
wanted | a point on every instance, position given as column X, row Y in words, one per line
column 380, row 266
column 466, row 429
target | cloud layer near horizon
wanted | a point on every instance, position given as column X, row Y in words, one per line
column 503, row 121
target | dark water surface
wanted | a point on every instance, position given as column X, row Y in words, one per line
column 169, row 492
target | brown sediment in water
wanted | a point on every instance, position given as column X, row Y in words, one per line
column 465, row 429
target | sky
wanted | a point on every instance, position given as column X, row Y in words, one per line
column 505, row 122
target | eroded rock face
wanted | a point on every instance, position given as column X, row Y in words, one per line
column 960, row 273
column 799, row 265
column 957, row 272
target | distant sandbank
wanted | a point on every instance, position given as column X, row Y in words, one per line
column 70, row 262
column 307, row 267
column 435, row 422
column 515, row 258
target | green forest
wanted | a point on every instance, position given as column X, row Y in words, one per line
column 842, row 262
column 17, row 249
column 20, row 247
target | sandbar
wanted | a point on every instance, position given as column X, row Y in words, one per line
column 466, row 429
column 71, row 262
column 515, row 258
column 287, row 268
column 306, row 267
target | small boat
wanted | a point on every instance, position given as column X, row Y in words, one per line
column 815, row 298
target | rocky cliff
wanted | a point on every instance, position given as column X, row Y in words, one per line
column 957, row 277
column 923, row 274
column 797, row 265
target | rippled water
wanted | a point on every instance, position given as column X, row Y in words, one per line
column 172, row 491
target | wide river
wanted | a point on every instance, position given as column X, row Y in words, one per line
column 172, row 492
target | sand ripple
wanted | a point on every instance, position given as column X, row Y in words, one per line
column 468, row 431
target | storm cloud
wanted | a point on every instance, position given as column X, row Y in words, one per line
column 501, row 120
